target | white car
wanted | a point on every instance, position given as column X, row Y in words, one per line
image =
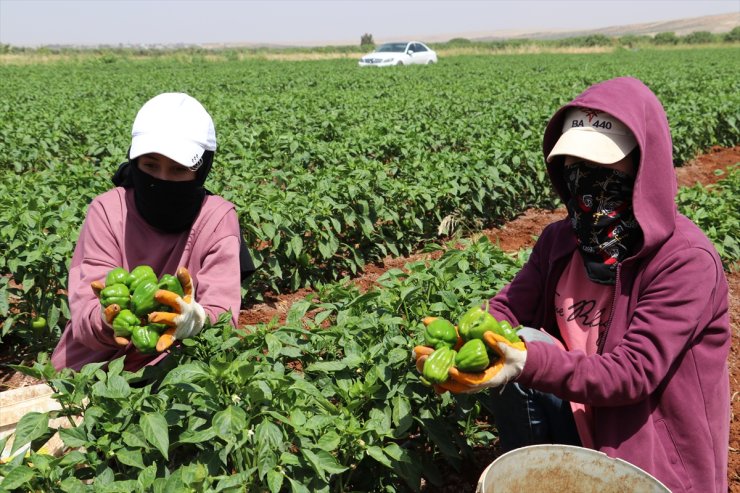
column 405, row 53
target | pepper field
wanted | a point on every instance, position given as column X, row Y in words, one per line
column 332, row 168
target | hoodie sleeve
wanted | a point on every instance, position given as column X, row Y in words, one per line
column 97, row 251
column 663, row 326
column 218, row 280
column 519, row 301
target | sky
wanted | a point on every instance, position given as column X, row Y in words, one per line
column 308, row 22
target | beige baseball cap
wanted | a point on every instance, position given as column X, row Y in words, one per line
column 175, row 125
column 593, row 135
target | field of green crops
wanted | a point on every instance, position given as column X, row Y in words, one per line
column 330, row 167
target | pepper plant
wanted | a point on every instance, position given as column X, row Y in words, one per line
column 295, row 407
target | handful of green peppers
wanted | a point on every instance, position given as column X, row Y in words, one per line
column 133, row 292
column 461, row 346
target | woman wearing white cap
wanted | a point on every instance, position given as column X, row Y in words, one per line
column 631, row 303
column 159, row 215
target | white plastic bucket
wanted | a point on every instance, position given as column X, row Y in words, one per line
column 564, row 468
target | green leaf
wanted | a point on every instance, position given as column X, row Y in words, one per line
column 329, row 441
column 230, row 422
column 187, row 373
column 200, row 436
column 30, row 427
column 146, row 477
column 296, row 244
column 73, row 485
column 322, row 462
column 73, row 437
column 130, row 457
column 266, row 460
column 134, row 437
column 115, row 367
column 269, row 434
column 326, row 366
column 402, row 416
column 155, row 430
column 275, row 480
column 17, row 477
column 377, row 453
column 297, row 486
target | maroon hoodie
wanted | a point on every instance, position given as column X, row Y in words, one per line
column 659, row 385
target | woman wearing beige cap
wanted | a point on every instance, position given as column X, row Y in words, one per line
column 160, row 215
column 624, row 304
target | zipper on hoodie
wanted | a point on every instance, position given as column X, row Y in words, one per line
column 550, row 288
column 601, row 340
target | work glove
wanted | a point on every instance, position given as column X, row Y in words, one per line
column 108, row 313
column 188, row 317
column 512, row 357
column 509, row 365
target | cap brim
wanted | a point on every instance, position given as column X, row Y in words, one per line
column 594, row 146
column 184, row 152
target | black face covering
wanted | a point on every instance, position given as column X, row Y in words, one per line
column 600, row 210
column 171, row 206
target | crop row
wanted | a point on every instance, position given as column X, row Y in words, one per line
column 330, row 167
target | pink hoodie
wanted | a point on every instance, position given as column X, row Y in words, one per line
column 114, row 234
column 658, row 384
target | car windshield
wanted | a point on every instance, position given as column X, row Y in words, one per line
column 392, row 48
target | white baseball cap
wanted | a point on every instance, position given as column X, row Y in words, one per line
column 175, row 125
column 593, row 135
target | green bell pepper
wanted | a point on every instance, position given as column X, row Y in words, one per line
column 508, row 331
column 472, row 357
column 125, row 323
column 440, row 333
column 145, row 338
column 158, row 327
column 119, row 275
column 476, row 322
column 141, row 274
column 142, row 299
column 115, row 294
column 171, row 283
column 438, row 364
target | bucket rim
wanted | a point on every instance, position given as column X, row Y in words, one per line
column 573, row 448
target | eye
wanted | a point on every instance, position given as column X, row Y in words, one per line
column 182, row 171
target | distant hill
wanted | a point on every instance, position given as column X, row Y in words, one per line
column 720, row 23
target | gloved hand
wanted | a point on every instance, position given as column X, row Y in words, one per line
column 420, row 354
column 512, row 357
column 188, row 317
column 109, row 312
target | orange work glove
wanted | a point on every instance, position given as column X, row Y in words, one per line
column 108, row 313
column 188, row 317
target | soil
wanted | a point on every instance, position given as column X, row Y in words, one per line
column 517, row 234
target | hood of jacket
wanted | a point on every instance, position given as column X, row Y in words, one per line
column 635, row 105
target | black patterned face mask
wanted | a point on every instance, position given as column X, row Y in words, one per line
column 600, row 210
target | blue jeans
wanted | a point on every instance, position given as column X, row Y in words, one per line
column 528, row 417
